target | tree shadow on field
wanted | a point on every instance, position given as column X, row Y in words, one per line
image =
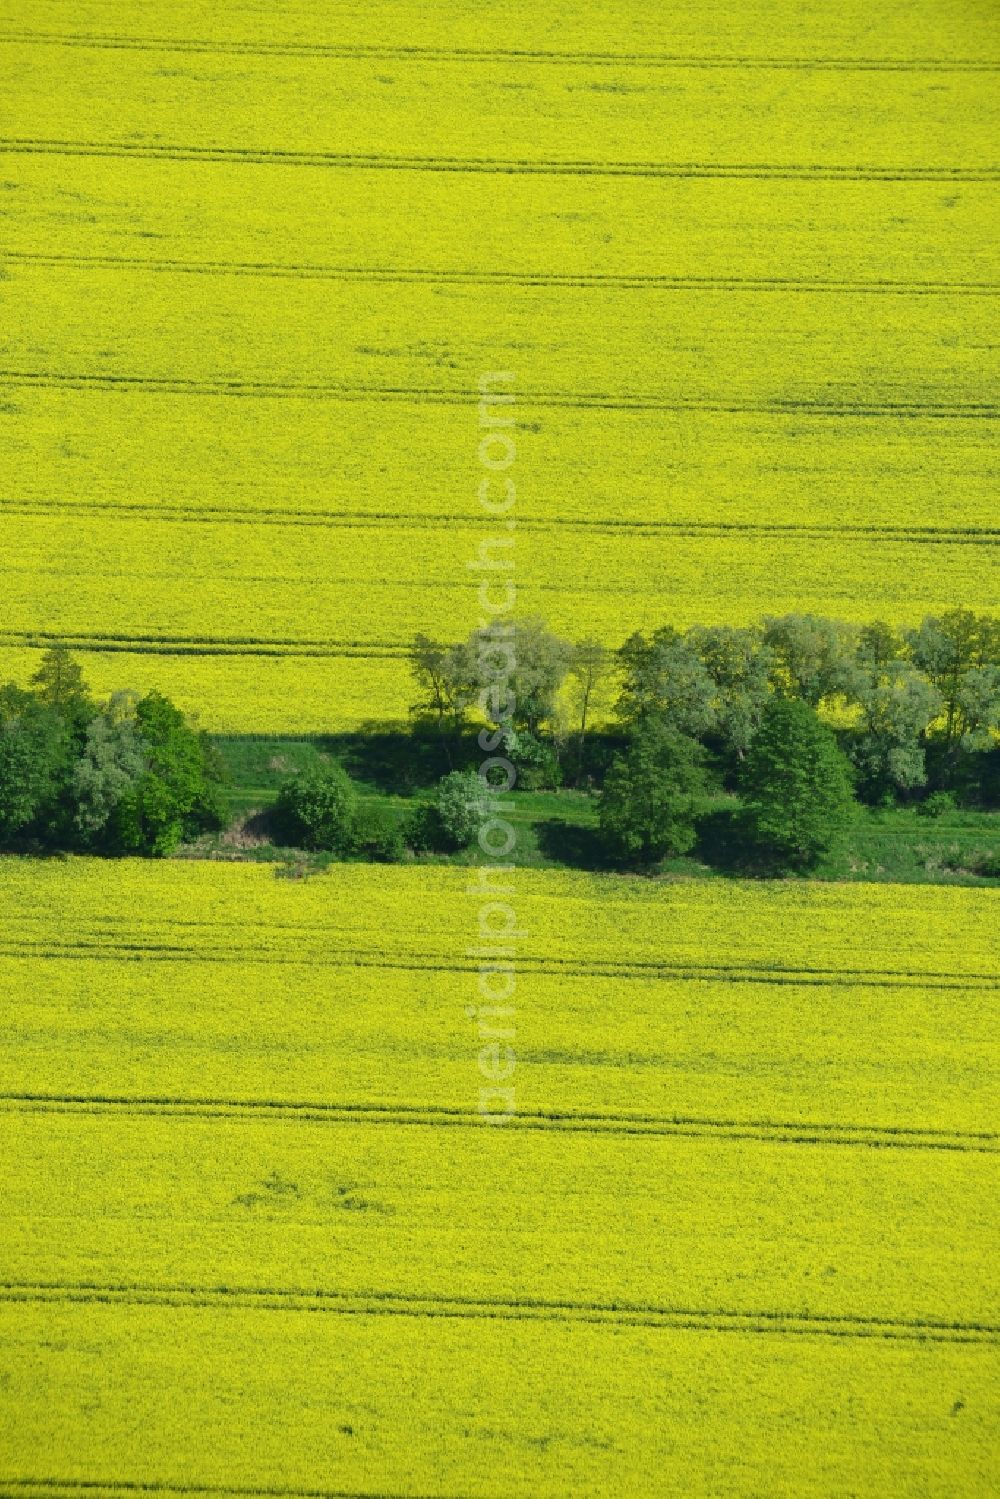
column 253, row 829
column 396, row 760
column 724, row 843
column 569, row 843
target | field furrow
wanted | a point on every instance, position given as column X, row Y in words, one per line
column 142, row 595
column 285, row 461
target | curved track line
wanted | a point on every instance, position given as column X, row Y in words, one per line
column 397, row 1304
column 106, row 949
column 430, row 1116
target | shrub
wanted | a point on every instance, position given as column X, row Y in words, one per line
column 937, row 804
column 535, row 761
column 421, row 829
column 985, row 863
column 463, row 804
column 378, row 837
column 317, row 808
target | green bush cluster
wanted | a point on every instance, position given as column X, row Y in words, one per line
column 920, row 707
column 129, row 776
column 318, row 808
column 919, row 712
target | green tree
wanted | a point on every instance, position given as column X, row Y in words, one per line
column 131, row 778
column 59, row 684
column 666, row 682
column 588, row 688
column 650, row 799
column 36, row 751
column 812, row 658
column 107, row 776
column 518, row 673
column 959, row 652
column 511, row 673
column 739, row 665
column 59, row 679
column 317, row 808
column 978, row 703
column 177, row 795
column 796, row 785
column 880, row 645
column 445, row 675
column 896, row 705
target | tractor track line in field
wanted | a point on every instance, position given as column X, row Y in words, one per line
column 380, row 520
column 117, row 951
column 144, row 645
column 94, row 1488
column 515, row 166
column 428, row 53
column 547, row 280
column 431, row 1116
column 421, row 395
column 396, row 1304
column 752, row 968
column 324, row 933
column 231, row 640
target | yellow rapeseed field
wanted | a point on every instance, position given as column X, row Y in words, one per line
column 255, row 1237
column 735, row 1239
column 741, row 262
